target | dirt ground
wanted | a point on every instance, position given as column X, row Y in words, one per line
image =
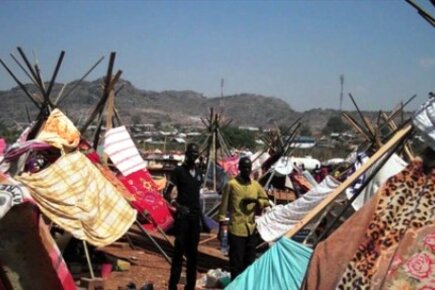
column 143, row 267
column 146, row 267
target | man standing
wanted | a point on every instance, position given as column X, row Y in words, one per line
column 188, row 179
column 241, row 197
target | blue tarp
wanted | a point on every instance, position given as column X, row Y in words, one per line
column 283, row 266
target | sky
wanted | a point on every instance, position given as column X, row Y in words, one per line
column 292, row 50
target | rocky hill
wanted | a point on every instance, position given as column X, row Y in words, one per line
column 176, row 107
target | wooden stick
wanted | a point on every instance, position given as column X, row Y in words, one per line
column 29, row 66
column 53, row 77
column 207, row 240
column 19, row 83
column 88, row 259
column 23, row 69
column 330, row 198
column 362, row 117
column 79, row 81
column 356, row 126
column 393, row 127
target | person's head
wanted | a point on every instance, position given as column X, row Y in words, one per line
column 245, row 167
column 192, row 153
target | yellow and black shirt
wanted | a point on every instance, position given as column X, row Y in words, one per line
column 242, row 214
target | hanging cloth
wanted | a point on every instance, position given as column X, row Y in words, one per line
column 120, row 148
column 75, row 195
column 281, row 218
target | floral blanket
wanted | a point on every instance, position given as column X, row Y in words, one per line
column 398, row 248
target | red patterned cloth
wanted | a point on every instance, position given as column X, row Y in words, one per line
column 231, row 165
column 147, row 199
column 57, row 261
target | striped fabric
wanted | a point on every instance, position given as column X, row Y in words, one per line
column 57, row 261
column 60, row 132
column 120, row 148
column 75, row 195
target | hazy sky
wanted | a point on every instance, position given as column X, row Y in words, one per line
column 293, row 50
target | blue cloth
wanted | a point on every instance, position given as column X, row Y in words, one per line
column 283, row 266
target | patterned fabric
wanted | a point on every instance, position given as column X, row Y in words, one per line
column 413, row 265
column 275, row 223
column 360, row 159
column 59, row 132
column 73, row 193
column 147, row 200
column 57, row 261
column 18, row 149
column 332, row 255
column 405, row 208
column 160, row 182
column 230, row 165
column 113, row 179
column 11, row 194
column 120, row 148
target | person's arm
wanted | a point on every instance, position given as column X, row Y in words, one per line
column 224, row 203
column 167, row 192
column 263, row 199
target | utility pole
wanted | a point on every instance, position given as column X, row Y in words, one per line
column 341, row 91
column 221, row 100
column 222, row 87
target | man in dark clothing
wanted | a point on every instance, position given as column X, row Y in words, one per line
column 188, row 179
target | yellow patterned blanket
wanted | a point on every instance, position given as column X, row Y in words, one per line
column 74, row 194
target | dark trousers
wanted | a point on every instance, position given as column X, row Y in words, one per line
column 242, row 253
column 186, row 230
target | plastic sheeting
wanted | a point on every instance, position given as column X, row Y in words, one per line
column 283, row 266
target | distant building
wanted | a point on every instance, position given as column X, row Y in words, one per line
column 303, row 142
column 249, row 128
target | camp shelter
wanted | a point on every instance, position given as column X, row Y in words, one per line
column 269, row 267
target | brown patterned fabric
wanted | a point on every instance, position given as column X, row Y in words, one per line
column 405, row 207
column 331, row 256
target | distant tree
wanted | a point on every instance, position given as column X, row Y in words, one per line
column 136, row 119
column 306, row 131
column 335, row 124
column 239, row 138
column 8, row 133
